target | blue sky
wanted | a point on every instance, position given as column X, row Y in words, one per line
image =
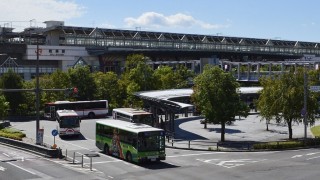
column 296, row 20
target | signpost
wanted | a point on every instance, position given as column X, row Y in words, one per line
column 54, row 133
column 40, row 136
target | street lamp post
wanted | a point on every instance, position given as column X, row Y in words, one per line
column 37, row 95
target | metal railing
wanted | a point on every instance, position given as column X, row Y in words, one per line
column 75, row 158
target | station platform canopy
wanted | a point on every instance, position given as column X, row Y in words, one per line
column 164, row 98
column 167, row 98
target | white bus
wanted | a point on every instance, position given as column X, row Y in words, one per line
column 69, row 122
column 133, row 115
column 84, row 109
column 133, row 142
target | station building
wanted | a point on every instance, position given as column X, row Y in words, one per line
column 57, row 46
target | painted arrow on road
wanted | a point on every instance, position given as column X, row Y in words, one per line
column 2, row 168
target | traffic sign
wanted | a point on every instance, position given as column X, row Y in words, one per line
column 315, row 88
column 54, row 132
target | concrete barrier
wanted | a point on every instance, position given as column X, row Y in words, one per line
column 47, row 152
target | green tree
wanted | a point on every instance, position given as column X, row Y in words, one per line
column 183, row 76
column 133, row 60
column 82, row 79
column 215, row 95
column 12, row 80
column 282, row 99
column 4, row 107
column 138, row 76
column 165, row 77
column 109, row 88
column 59, row 80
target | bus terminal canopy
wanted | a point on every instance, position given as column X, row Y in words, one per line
column 164, row 98
column 167, row 98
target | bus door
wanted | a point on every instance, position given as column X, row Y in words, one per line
column 52, row 112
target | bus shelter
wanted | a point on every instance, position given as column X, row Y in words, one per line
column 166, row 104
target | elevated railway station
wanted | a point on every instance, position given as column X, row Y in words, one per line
column 62, row 47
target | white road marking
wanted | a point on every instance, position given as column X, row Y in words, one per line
column 313, row 158
column 297, row 156
column 70, row 143
column 312, row 154
column 22, row 168
column 200, row 154
column 2, row 168
column 102, row 162
column 6, row 154
column 110, row 177
column 231, row 163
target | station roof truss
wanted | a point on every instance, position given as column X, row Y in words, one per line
column 137, row 40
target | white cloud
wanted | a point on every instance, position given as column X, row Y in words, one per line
column 19, row 13
column 157, row 20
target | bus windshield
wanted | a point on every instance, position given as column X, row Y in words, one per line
column 69, row 122
column 151, row 141
column 143, row 118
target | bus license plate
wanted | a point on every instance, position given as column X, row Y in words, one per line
column 69, row 132
column 153, row 158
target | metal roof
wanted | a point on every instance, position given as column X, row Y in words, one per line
column 128, row 126
column 164, row 96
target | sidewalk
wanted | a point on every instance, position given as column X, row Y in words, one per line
column 240, row 135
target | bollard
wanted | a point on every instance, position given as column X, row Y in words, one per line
column 82, row 161
column 90, row 163
column 189, row 144
column 74, row 156
column 66, row 158
column 217, row 146
column 171, row 142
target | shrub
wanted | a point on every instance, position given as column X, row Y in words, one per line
column 12, row 134
column 288, row 144
column 279, row 145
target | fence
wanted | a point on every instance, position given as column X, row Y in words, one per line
column 241, row 146
column 77, row 155
column 209, row 145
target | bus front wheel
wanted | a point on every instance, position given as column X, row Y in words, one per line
column 129, row 157
column 106, row 149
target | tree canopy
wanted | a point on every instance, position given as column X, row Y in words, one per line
column 11, row 80
column 215, row 95
column 282, row 99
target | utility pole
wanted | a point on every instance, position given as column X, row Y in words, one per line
column 305, row 112
column 37, row 94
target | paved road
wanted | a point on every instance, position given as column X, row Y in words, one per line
column 186, row 164
column 16, row 165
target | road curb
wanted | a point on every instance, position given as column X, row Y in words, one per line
column 43, row 151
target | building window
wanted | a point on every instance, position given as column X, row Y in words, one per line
column 57, row 50
column 63, row 51
column 50, row 50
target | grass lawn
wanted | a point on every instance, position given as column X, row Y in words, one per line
column 316, row 131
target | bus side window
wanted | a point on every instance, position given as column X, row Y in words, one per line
column 134, row 142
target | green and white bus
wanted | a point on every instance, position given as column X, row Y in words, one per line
column 134, row 142
column 133, row 115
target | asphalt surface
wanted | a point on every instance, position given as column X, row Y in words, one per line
column 190, row 133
